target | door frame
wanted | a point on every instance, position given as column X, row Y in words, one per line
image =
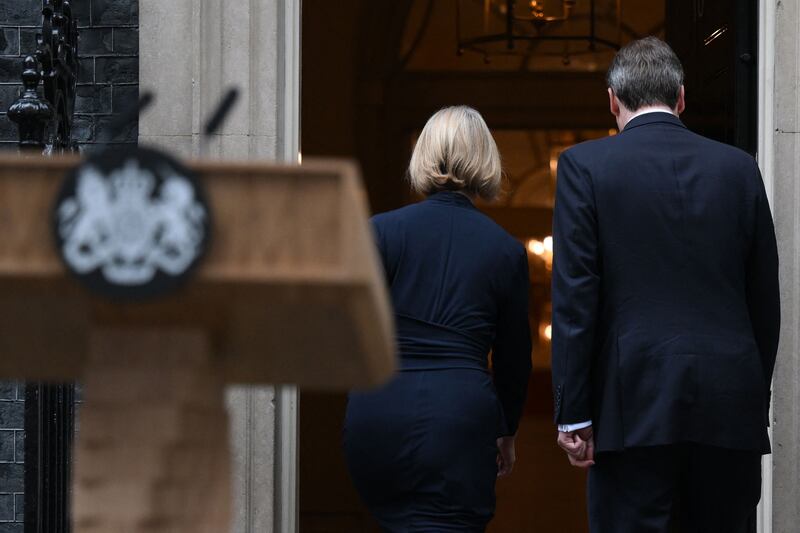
column 766, row 156
column 287, row 406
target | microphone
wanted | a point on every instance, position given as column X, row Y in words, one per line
column 218, row 117
column 130, row 114
column 221, row 112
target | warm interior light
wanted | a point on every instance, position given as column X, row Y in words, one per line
column 548, row 331
column 536, row 247
column 548, row 244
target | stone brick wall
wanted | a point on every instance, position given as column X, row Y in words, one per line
column 108, row 80
column 12, row 440
column 107, row 83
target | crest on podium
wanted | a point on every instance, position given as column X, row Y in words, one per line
column 131, row 223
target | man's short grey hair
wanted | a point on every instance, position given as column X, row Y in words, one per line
column 646, row 72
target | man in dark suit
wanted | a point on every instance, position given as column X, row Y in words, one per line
column 665, row 312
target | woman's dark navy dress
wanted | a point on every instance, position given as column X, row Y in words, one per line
column 422, row 449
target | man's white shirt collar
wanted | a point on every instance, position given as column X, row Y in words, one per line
column 647, row 110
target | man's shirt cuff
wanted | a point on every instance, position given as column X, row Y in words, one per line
column 568, row 428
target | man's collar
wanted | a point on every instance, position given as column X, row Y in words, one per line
column 651, row 116
column 651, row 109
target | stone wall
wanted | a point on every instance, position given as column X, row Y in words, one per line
column 108, row 80
column 12, row 441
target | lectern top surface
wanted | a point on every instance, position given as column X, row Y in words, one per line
column 291, row 289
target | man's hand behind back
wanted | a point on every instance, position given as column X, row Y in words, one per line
column 579, row 446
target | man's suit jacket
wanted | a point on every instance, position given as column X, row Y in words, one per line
column 665, row 290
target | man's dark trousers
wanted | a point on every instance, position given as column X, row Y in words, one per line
column 679, row 488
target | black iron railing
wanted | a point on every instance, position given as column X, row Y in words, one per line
column 44, row 117
column 43, row 114
column 49, row 433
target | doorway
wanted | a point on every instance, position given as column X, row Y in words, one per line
column 373, row 72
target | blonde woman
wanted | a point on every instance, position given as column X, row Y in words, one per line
column 425, row 450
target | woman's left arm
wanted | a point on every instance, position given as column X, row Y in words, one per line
column 511, row 353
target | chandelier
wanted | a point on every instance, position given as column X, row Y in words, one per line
column 506, row 23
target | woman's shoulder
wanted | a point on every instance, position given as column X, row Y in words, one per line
column 403, row 216
column 388, row 216
column 473, row 221
column 392, row 218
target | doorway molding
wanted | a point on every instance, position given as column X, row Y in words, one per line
column 766, row 157
column 287, row 405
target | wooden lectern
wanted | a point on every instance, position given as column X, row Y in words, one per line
column 290, row 292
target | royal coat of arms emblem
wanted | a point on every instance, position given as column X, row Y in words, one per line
column 131, row 223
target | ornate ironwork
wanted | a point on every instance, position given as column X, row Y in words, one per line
column 45, row 121
column 30, row 112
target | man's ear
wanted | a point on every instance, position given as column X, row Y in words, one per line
column 613, row 103
column 679, row 108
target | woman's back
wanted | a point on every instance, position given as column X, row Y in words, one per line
column 451, row 271
column 423, row 449
column 446, row 262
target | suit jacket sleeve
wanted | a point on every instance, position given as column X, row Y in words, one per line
column 511, row 352
column 575, row 291
column 763, row 293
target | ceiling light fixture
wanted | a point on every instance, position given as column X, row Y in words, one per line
column 530, row 21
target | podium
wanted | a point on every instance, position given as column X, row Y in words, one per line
column 290, row 291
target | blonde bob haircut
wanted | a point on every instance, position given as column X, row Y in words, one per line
column 456, row 152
